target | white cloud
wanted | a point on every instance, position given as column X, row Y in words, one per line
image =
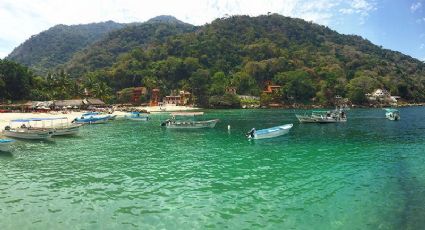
column 422, row 46
column 21, row 19
column 415, row 6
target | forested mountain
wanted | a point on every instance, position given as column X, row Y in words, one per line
column 106, row 51
column 312, row 63
column 55, row 46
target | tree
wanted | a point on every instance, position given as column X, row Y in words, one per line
column 359, row 86
column 296, row 84
column 245, row 84
column 219, row 82
column 199, row 83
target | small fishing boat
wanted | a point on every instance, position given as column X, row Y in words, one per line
column 270, row 132
column 137, row 116
column 392, row 114
column 60, row 128
column 93, row 118
column 186, row 120
column 333, row 116
column 5, row 145
column 24, row 132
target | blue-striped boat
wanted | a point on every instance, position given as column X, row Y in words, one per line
column 137, row 116
column 270, row 132
column 5, row 145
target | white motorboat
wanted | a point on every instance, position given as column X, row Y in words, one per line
column 59, row 125
column 270, row 132
column 392, row 114
column 24, row 132
column 186, row 120
column 93, row 118
column 137, row 116
column 333, row 116
column 5, row 145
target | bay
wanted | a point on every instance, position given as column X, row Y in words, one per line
column 363, row 174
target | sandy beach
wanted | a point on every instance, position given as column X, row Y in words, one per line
column 5, row 118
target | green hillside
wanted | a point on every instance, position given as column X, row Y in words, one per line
column 312, row 63
column 55, row 46
column 106, row 51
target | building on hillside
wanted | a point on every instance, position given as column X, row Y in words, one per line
column 382, row 95
column 154, row 97
column 271, row 88
column 231, row 90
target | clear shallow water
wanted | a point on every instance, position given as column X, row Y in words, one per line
column 365, row 174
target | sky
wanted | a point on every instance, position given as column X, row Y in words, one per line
column 393, row 24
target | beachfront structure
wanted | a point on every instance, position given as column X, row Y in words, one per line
column 154, row 97
column 182, row 99
column 131, row 95
column 69, row 104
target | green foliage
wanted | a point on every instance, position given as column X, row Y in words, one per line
column 297, row 84
column 309, row 61
column 55, row 46
column 219, row 83
column 224, row 101
column 359, row 86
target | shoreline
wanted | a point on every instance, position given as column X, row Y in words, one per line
column 6, row 118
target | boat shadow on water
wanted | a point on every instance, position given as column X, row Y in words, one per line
column 6, row 154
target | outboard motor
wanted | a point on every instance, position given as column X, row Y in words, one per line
column 165, row 122
column 251, row 133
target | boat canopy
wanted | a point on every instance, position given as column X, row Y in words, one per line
column 187, row 114
column 39, row 119
column 320, row 111
column 90, row 113
column 392, row 110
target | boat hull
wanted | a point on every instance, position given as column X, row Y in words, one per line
column 92, row 120
column 67, row 131
column 317, row 119
column 271, row 132
column 192, row 124
column 392, row 117
column 138, row 118
column 28, row 134
column 5, row 145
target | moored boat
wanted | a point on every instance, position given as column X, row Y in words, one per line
column 392, row 114
column 93, row 118
column 137, row 116
column 333, row 116
column 61, row 128
column 24, row 132
column 186, row 120
column 269, row 132
column 5, row 145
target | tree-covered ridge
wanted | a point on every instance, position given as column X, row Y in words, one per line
column 310, row 61
column 105, row 52
column 55, row 46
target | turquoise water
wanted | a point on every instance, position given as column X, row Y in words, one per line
column 365, row 174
